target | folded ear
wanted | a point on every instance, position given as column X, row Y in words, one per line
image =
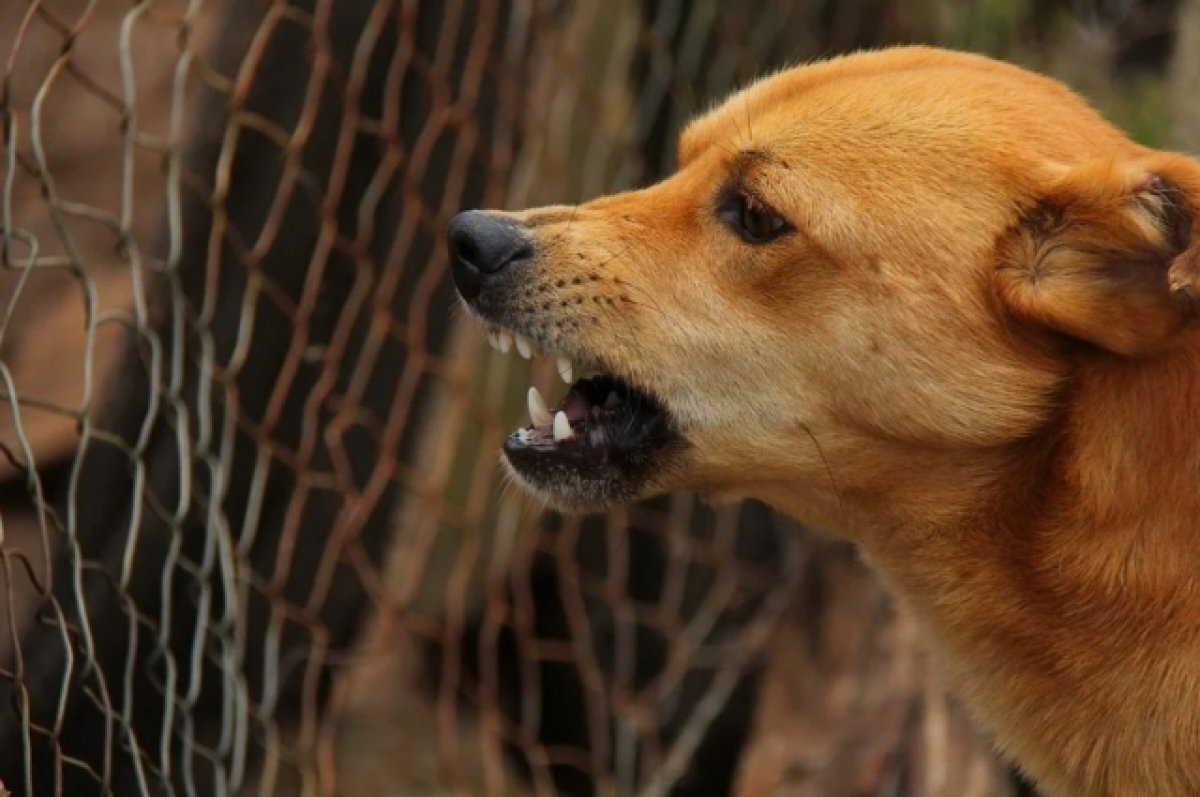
column 1110, row 254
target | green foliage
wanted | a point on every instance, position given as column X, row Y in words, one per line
column 989, row 26
column 1138, row 105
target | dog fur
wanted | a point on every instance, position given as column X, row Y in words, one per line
column 971, row 351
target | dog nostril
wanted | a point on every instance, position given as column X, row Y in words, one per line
column 466, row 250
column 481, row 245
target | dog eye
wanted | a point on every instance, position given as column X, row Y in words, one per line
column 754, row 221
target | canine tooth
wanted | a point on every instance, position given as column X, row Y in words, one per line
column 493, row 336
column 537, row 409
column 562, row 427
column 524, row 347
column 504, row 339
column 612, row 401
column 565, row 370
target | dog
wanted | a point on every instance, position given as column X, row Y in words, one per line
column 937, row 304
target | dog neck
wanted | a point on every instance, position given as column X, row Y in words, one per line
column 1061, row 578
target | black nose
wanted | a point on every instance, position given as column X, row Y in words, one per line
column 482, row 244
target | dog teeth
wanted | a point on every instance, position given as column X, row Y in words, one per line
column 504, row 340
column 500, row 339
column 613, row 401
column 538, row 413
column 524, row 347
column 562, row 427
column 566, row 370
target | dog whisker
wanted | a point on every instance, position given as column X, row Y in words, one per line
column 837, row 492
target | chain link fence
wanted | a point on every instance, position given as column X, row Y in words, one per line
column 253, row 536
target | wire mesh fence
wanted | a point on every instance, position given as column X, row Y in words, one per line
column 254, row 539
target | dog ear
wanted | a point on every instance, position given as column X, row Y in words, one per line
column 1110, row 254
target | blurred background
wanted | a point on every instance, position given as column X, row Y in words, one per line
column 252, row 535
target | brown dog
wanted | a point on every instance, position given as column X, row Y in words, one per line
column 939, row 305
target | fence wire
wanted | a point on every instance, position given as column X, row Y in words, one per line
column 254, row 540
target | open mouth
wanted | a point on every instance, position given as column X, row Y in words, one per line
column 600, row 444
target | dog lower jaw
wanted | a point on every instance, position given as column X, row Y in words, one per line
column 569, row 496
column 604, row 443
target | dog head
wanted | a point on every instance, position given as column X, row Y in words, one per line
column 861, row 268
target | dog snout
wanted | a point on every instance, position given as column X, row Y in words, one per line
column 483, row 245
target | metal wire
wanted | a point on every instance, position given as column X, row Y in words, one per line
column 257, row 542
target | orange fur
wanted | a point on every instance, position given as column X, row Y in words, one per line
column 974, row 355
